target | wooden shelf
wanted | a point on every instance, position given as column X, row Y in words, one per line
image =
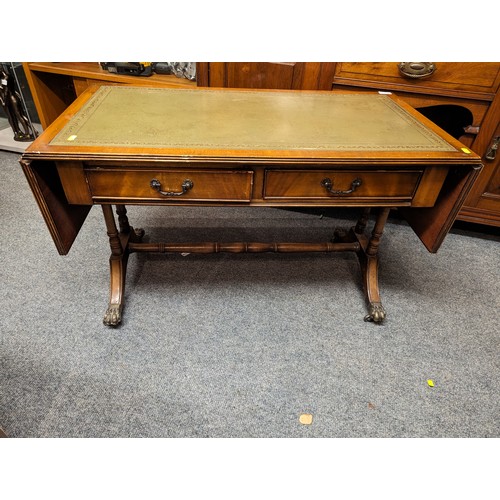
column 55, row 85
column 92, row 70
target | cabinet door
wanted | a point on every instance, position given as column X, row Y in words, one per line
column 267, row 75
column 260, row 75
column 483, row 203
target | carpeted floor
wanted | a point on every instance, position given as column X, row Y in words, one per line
column 242, row 345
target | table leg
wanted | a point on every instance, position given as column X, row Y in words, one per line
column 118, row 241
column 125, row 228
column 368, row 259
column 363, row 221
column 128, row 240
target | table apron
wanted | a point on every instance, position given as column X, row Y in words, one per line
column 254, row 185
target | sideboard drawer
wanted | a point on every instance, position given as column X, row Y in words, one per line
column 346, row 186
column 478, row 77
column 170, row 185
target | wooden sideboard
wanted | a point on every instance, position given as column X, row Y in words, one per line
column 463, row 98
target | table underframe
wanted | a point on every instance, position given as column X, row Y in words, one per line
column 124, row 240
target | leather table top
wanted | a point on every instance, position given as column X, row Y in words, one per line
column 121, row 116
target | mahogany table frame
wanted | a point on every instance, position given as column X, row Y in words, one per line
column 61, row 180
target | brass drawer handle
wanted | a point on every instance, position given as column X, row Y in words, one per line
column 328, row 184
column 416, row 70
column 186, row 186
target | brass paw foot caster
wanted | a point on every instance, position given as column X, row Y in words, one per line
column 376, row 313
column 113, row 316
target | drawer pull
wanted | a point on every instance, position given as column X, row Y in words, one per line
column 416, row 69
column 186, row 186
column 328, row 184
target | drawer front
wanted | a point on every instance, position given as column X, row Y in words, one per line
column 347, row 186
column 170, row 185
column 471, row 76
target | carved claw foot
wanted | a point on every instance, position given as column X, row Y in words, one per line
column 376, row 313
column 113, row 315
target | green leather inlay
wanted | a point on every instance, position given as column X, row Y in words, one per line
column 223, row 119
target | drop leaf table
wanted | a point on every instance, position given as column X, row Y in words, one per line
column 122, row 145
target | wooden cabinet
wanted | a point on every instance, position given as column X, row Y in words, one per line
column 462, row 98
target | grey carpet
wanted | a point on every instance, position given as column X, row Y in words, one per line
column 242, row 345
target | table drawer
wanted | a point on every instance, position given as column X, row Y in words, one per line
column 170, row 185
column 342, row 185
